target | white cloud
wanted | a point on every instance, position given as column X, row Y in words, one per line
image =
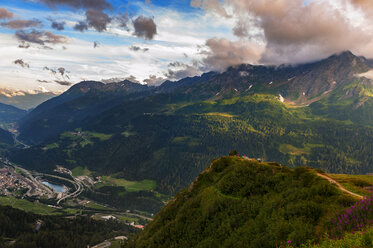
column 177, row 34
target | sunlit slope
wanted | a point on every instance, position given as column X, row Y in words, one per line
column 238, row 202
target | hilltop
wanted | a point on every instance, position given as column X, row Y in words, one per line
column 240, row 202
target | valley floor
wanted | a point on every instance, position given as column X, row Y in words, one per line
column 27, row 190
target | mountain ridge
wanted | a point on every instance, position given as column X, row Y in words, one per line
column 10, row 114
column 25, row 100
column 168, row 137
column 240, row 202
column 299, row 85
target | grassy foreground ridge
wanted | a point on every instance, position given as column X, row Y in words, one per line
column 238, row 202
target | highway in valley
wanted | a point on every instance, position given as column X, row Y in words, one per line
column 36, row 177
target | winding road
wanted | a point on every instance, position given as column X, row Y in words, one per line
column 32, row 178
column 34, row 175
column 104, row 244
column 78, row 187
column 332, row 181
column 15, row 137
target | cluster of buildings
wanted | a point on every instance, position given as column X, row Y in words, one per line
column 11, row 183
column 137, row 226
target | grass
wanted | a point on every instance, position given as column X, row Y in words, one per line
column 131, row 186
column 72, row 211
column 100, row 136
column 51, row 146
column 80, row 171
column 190, row 141
column 84, row 138
column 128, row 134
column 127, row 218
column 220, row 114
column 97, row 206
column 292, row 150
column 358, row 184
column 351, row 240
column 33, row 207
column 116, row 244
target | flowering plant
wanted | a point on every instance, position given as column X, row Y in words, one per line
column 353, row 219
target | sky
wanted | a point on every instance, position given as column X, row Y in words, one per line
column 49, row 45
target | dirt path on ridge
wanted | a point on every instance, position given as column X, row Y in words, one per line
column 332, row 181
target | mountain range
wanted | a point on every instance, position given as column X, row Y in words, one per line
column 25, row 99
column 10, row 114
column 316, row 114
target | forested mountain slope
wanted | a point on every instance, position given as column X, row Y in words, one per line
column 64, row 112
column 169, row 135
column 20, row 229
column 9, row 114
column 6, row 141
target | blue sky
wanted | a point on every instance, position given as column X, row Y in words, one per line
column 168, row 40
column 179, row 38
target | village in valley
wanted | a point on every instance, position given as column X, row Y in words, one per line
column 60, row 192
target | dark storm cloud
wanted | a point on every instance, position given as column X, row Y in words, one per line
column 178, row 70
column 5, row 14
column 63, row 82
column 62, row 71
column 223, row 53
column 145, row 27
column 289, row 31
column 81, row 26
column 137, row 49
column 78, row 4
column 153, row 80
column 46, row 68
column 20, row 24
column 123, row 20
column 21, row 63
column 54, row 39
column 58, row 25
column 365, row 5
column 23, row 44
column 97, row 19
column 241, row 29
column 43, row 81
column 60, row 75
column 176, row 64
column 46, row 48
column 133, row 79
column 40, row 37
column 95, row 15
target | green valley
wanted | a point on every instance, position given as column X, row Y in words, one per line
column 124, row 150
